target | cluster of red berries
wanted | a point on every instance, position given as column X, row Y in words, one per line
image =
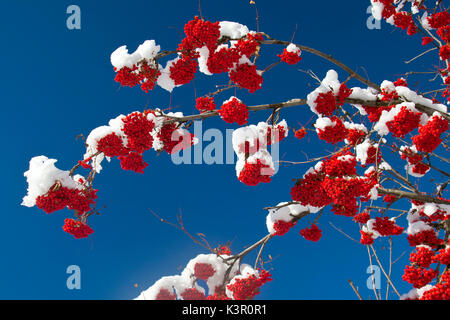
column 386, row 227
column 404, row 21
column 440, row 291
column 428, row 138
column 250, row 45
column 344, row 193
column 400, row 82
column 192, row 294
column 223, row 59
column 422, row 257
column 279, row 134
column 374, row 113
column 204, row 104
column 362, row 217
column 418, row 276
column 133, row 161
column 248, row 288
column 334, row 133
column 59, row 197
column 427, row 237
column 443, row 256
column 246, row 76
column 444, row 33
column 149, row 76
column 309, row 191
column 344, row 93
column 234, row 110
column 174, row 138
column 203, row 271
column 77, row 228
column 201, row 33
column 183, row 70
column 389, row 198
column 355, row 136
column 137, row 129
column 373, row 155
column 366, row 238
column 255, row 173
column 290, row 57
column 127, row 77
column 164, row 294
column 404, row 122
column 281, row 227
column 334, row 184
column 411, row 156
column 326, row 103
column 224, row 250
column 444, row 52
column 300, row 133
column 388, row 95
column 339, row 165
column 415, row 160
column 145, row 75
column 112, row 146
column 439, row 19
column 311, row 234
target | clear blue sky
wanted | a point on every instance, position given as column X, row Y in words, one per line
column 58, row 83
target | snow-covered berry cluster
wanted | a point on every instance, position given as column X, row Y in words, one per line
column 52, row 189
column 224, row 281
column 233, row 110
column 250, row 143
column 291, row 54
column 128, row 137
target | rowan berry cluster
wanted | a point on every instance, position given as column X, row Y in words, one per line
column 312, row 234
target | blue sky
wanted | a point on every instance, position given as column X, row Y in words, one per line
column 58, row 83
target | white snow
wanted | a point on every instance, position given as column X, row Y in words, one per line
column 248, row 134
column 361, row 151
column 286, row 213
column 414, row 293
column 412, row 96
column 377, row 9
column 385, row 166
column 114, row 126
column 323, row 122
column 232, row 30
column 263, row 156
column 368, row 228
column 245, row 271
column 121, row 58
column 417, row 227
column 293, row 48
column 203, row 60
column 330, row 82
column 387, row 116
column 41, row 176
column 179, row 283
column 164, row 79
